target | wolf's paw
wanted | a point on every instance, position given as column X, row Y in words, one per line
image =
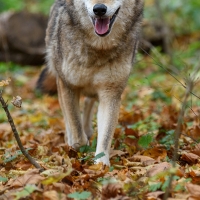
column 80, row 142
column 105, row 160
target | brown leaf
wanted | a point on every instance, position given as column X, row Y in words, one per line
column 98, row 167
column 194, row 132
column 190, row 158
column 24, row 165
column 197, row 149
column 145, row 160
column 158, row 168
column 154, row 195
column 5, row 127
column 111, row 190
column 53, row 195
column 194, row 190
column 156, row 153
column 30, row 177
column 116, row 153
column 126, row 117
column 61, row 187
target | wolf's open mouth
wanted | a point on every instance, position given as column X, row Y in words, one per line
column 103, row 25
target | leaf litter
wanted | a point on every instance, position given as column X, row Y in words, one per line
column 141, row 154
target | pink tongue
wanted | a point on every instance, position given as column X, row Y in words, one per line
column 102, row 25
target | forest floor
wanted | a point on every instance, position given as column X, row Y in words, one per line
column 142, row 147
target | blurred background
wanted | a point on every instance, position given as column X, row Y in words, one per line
column 170, row 45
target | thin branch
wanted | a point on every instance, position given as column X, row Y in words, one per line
column 188, row 91
column 168, row 71
column 10, row 120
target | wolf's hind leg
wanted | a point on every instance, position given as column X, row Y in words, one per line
column 69, row 102
column 87, row 116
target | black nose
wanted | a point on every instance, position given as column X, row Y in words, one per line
column 99, row 9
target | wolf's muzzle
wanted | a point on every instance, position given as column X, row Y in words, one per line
column 99, row 9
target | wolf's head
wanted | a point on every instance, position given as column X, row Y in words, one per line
column 103, row 14
column 106, row 15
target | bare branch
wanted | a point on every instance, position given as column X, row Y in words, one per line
column 10, row 120
column 189, row 87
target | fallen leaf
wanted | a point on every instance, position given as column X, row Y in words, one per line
column 25, row 192
column 157, row 168
column 145, row 160
column 190, row 158
column 156, row 153
column 55, row 178
column 196, row 150
column 30, row 177
column 54, row 195
column 116, row 153
column 17, row 101
column 5, row 82
column 155, row 195
column 194, row 190
column 111, row 190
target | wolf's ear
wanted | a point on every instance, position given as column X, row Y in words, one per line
column 46, row 82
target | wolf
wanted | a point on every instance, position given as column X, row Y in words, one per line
column 90, row 50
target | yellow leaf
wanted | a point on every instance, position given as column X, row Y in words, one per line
column 55, row 178
column 5, row 82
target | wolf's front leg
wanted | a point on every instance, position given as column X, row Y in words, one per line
column 108, row 112
column 69, row 102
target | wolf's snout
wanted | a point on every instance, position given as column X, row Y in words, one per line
column 99, row 9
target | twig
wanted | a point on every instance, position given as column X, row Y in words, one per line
column 168, row 71
column 189, row 88
column 10, row 120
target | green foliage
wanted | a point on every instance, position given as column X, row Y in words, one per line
column 2, row 117
column 30, row 5
column 100, row 155
column 3, row 179
column 147, row 125
column 7, row 157
column 9, row 67
column 89, row 157
column 146, row 140
column 80, row 195
column 168, row 140
column 88, row 149
column 106, row 180
column 182, row 16
column 158, row 94
column 11, row 4
column 28, row 189
column 155, row 186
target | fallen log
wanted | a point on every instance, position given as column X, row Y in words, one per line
column 22, row 37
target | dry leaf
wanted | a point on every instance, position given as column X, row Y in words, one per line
column 30, row 177
column 5, row 82
column 17, row 101
column 194, row 190
column 154, row 195
column 156, row 153
column 111, row 190
column 190, row 158
column 145, row 160
column 197, row 149
column 116, row 153
column 53, row 195
column 158, row 168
